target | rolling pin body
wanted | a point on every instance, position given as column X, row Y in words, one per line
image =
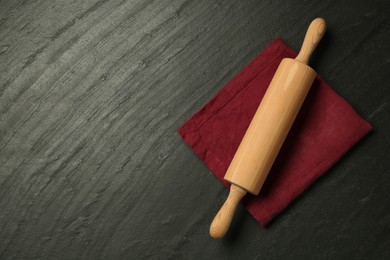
column 269, row 128
column 270, row 125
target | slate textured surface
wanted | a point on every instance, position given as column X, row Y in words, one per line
column 91, row 95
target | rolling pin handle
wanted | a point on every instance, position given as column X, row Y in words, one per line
column 222, row 220
column 313, row 36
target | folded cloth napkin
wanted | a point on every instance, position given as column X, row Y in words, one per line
column 325, row 128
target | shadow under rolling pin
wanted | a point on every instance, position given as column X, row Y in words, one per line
column 269, row 128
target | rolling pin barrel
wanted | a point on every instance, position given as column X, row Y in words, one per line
column 269, row 127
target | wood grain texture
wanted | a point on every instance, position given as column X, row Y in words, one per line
column 92, row 92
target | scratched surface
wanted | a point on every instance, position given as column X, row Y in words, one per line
column 92, row 92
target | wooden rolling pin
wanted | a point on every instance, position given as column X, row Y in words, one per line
column 269, row 128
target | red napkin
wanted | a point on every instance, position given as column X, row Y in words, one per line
column 325, row 128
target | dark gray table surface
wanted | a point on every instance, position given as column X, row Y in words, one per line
column 91, row 95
